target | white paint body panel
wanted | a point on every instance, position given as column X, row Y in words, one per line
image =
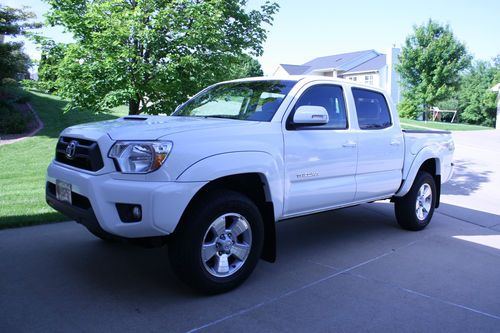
column 380, row 162
column 303, row 171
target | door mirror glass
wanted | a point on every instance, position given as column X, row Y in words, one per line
column 310, row 115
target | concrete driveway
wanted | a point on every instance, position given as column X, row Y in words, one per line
column 348, row 270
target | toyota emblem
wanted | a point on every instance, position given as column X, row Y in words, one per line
column 71, row 149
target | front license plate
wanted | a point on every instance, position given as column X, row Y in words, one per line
column 63, row 191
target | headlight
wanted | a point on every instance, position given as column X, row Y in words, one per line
column 140, row 156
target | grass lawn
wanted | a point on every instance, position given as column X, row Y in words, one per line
column 410, row 127
column 23, row 164
column 414, row 124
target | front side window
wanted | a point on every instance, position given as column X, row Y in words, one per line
column 249, row 100
column 330, row 97
column 372, row 109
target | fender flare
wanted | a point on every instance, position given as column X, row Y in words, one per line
column 422, row 156
column 233, row 163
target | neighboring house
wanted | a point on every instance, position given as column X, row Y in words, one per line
column 369, row 67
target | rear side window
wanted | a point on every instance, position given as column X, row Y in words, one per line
column 372, row 109
column 330, row 97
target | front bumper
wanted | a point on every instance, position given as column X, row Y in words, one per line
column 81, row 215
column 163, row 203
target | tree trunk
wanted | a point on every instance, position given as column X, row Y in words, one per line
column 133, row 106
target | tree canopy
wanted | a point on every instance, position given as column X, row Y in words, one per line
column 430, row 64
column 14, row 22
column 52, row 54
column 152, row 54
column 245, row 66
column 474, row 100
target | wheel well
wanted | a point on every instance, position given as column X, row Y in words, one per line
column 256, row 188
column 432, row 167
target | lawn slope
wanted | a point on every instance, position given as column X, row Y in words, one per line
column 23, row 164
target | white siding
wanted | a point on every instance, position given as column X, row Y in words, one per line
column 362, row 78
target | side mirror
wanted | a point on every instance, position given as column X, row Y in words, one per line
column 310, row 115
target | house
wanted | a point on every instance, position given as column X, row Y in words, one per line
column 368, row 67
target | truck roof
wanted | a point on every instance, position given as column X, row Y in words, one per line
column 307, row 79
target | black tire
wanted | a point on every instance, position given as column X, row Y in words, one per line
column 185, row 246
column 406, row 207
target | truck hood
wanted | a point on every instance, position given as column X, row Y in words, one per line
column 149, row 127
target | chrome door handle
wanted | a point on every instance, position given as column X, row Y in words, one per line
column 395, row 143
column 349, row 144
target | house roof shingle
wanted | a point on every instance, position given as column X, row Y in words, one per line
column 359, row 61
column 371, row 65
column 336, row 61
column 295, row 69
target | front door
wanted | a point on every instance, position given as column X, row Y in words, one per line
column 320, row 161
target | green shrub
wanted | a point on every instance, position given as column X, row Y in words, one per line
column 408, row 109
column 37, row 85
column 14, row 94
column 8, row 82
column 11, row 120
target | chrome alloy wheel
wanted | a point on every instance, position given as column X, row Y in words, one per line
column 424, row 201
column 226, row 245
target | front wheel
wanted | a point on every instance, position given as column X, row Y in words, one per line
column 218, row 243
column 414, row 210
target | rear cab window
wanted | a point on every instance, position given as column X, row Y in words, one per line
column 372, row 109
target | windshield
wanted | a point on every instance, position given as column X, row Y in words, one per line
column 249, row 100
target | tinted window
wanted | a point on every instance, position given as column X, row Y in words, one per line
column 332, row 99
column 371, row 108
column 250, row 100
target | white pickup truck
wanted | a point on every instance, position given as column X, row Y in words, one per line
column 213, row 179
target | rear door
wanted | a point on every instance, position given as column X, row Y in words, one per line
column 380, row 146
column 320, row 161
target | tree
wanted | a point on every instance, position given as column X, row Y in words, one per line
column 14, row 22
column 48, row 68
column 496, row 63
column 246, row 66
column 13, row 61
column 152, row 54
column 430, row 64
column 476, row 102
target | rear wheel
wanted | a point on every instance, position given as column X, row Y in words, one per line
column 414, row 211
column 218, row 243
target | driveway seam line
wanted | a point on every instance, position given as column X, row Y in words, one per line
column 466, row 221
column 291, row 292
column 437, row 299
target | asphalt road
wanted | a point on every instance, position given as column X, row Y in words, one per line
column 348, row 270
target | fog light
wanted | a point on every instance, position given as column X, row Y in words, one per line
column 136, row 212
column 129, row 212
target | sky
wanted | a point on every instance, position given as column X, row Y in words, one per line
column 306, row 29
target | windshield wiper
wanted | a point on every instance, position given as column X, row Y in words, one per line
column 220, row 116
